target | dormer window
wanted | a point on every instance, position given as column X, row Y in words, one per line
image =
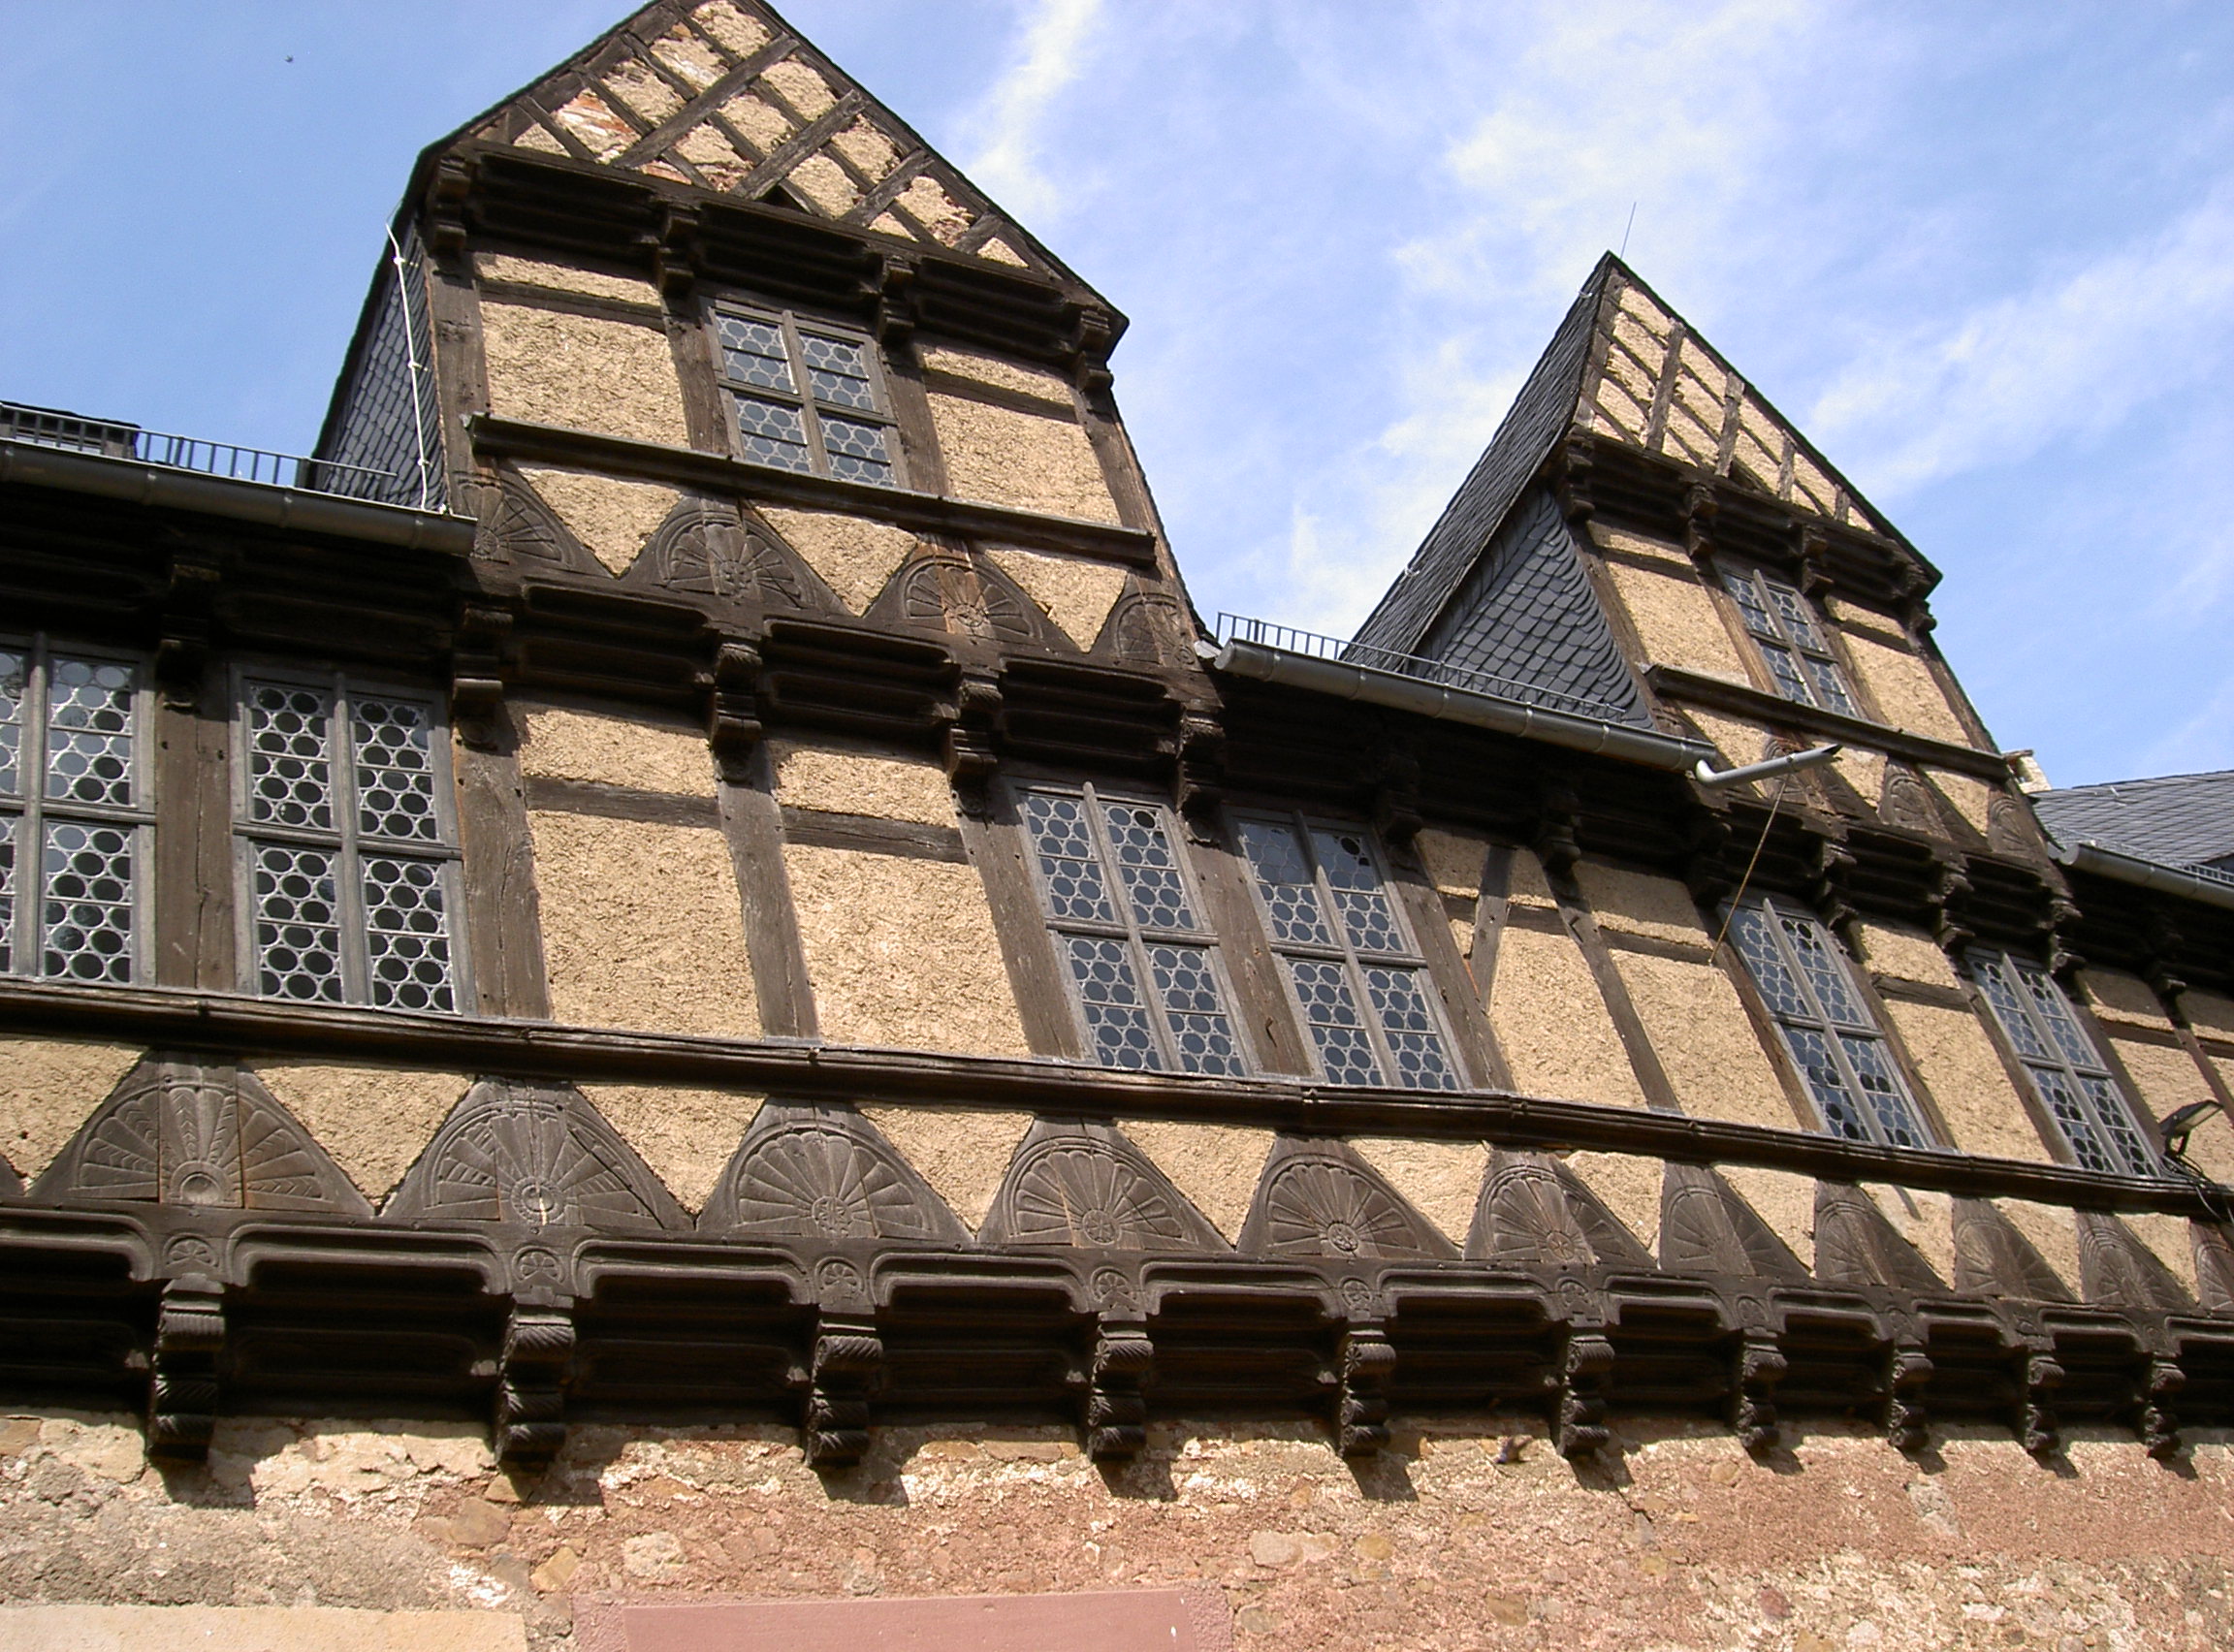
column 1783, row 626
column 805, row 397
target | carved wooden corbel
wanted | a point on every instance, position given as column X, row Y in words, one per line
column 447, row 192
column 1556, row 844
column 2037, row 1425
column 679, row 253
column 196, row 576
column 1758, row 1367
column 1365, row 1366
column 477, row 656
column 972, row 742
column 1568, row 471
column 1701, row 507
column 733, row 726
column 1092, row 336
column 1946, row 898
column 1115, row 1410
column 1908, row 1373
column 1396, row 813
column 1813, row 549
column 897, row 307
column 1200, row 773
column 846, row 1368
column 182, row 1383
column 1586, row 1376
column 1830, row 865
column 532, row 1373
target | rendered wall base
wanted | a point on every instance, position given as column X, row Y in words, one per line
column 1473, row 1534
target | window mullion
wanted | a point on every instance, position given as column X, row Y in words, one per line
column 348, row 874
column 31, row 850
column 810, row 411
column 1137, row 946
column 1362, row 995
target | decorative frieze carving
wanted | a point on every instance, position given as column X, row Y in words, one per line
column 539, row 1156
column 825, row 1173
column 1706, row 1228
column 1992, row 1258
column 1533, row 1213
column 1081, row 1183
column 1317, row 1198
column 1854, row 1245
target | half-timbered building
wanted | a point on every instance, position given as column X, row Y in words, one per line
column 677, row 970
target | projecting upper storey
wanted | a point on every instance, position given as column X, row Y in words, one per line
column 1646, row 533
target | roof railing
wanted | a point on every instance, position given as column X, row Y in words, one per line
column 47, row 426
column 1236, row 627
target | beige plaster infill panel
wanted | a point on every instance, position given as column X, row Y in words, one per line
column 372, row 1121
column 2121, row 998
column 563, row 279
column 1864, row 771
column 611, row 518
column 583, row 372
column 1552, row 1024
column 1629, row 1186
column 1786, row 1202
column 1956, row 1061
column 256, row 1629
column 47, row 1087
column 686, row 1137
column 2211, row 1149
column 1739, row 742
column 902, row 952
column 642, row 926
column 1215, row 1166
column 1453, row 861
column 997, row 372
column 1699, row 1030
column 1677, row 621
column 2170, row 1240
column 1028, row 460
column 1972, row 798
column 1075, row 594
column 1906, row 691
column 963, row 1154
column 2052, row 1231
column 2167, row 1077
column 562, row 745
column 1906, row 954
column 2208, row 1014
column 1637, row 902
column 853, row 777
column 855, row 557
column 1525, row 882
column 1441, row 1179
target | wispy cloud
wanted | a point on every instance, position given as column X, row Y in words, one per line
column 2071, row 356
column 1056, row 42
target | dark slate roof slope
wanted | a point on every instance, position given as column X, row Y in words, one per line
column 1538, row 419
column 2176, row 820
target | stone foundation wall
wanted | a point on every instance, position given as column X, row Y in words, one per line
column 1472, row 1535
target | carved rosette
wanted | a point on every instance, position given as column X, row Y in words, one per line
column 825, row 1173
column 1706, row 1228
column 1085, row 1185
column 539, row 1156
column 1533, row 1213
column 179, row 1133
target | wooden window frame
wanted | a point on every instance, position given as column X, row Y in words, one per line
column 1808, row 656
column 793, row 324
column 1978, row 962
column 29, row 810
column 1345, row 952
column 1831, row 1030
column 346, row 837
column 1136, row 936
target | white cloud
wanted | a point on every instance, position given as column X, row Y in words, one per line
column 2073, row 355
column 1056, row 43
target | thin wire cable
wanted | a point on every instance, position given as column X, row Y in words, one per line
column 1775, row 803
column 411, row 355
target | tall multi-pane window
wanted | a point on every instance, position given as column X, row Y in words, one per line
column 75, row 821
column 1827, row 1025
column 347, row 845
column 807, row 397
column 1360, row 983
column 1138, row 957
column 1791, row 641
column 2066, row 1069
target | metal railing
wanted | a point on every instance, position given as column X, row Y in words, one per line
column 47, row 426
column 1236, row 627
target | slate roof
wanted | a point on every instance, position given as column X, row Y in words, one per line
column 2176, row 820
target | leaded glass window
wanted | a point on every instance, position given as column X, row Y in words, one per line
column 2068, row 1072
column 1827, row 1025
column 75, row 821
column 1791, row 640
column 804, row 396
column 1360, row 984
column 347, row 845
column 1141, row 964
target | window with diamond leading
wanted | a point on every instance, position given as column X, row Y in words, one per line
column 1360, row 984
column 73, row 817
column 348, row 844
column 2068, row 1072
column 804, row 396
column 1141, row 964
column 1828, row 1027
column 1791, row 641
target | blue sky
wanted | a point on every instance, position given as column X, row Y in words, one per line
column 1983, row 254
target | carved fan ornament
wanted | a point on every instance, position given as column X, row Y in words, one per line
column 1992, row 1258
column 517, row 526
column 540, row 1155
column 1085, row 1185
column 1317, row 1198
column 2116, row 1268
column 179, row 1132
column 957, row 597
column 1854, row 1245
column 825, row 1173
column 1706, row 1227
column 1908, row 801
column 1532, row 1212
column 709, row 548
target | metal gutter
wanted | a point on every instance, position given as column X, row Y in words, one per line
column 2146, row 874
column 295, row 509
column 1348, row 681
